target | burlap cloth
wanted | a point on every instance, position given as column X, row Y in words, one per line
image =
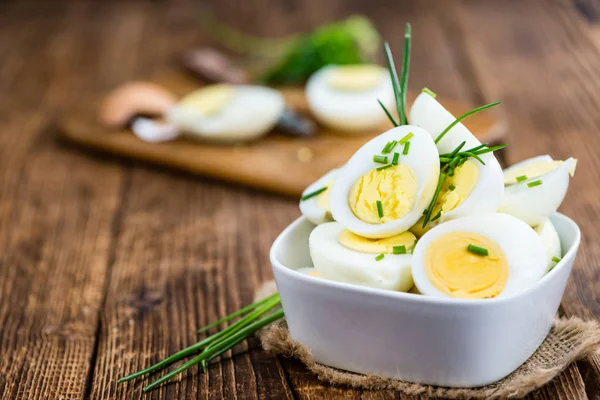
column 569, row 340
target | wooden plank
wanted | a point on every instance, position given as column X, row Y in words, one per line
column 542, row 65
column 55, row 215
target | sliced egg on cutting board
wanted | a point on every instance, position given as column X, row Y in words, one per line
column 551, row 241
column 228, row 113
column 536, row 187
column 314, row 203
column 374, row 197
column 345, row 97
column 343, row 256
column 486, row 256
column 475, row 188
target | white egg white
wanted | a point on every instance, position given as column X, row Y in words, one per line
column 348, row 111
column 535, row 204
column 486, row 197
column 310, row 207
column 252, row 112
column 522, row 247
column 423, row 159
column 336, row 262
column 551, row 241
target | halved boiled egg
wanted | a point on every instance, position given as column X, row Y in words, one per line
column 387, row 184
column 343, row 256
column 314, row 204
column 478, row 257
column 345, row 97
column 228, row 113
column 474, row 188
column 551, row 242
column 536, row 187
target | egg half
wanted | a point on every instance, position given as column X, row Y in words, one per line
column 536, row 187
column 375, row 198
column 316, row 207
column 228, row 113
column 445, row 263
column 551, row 242
column 342, row 256
column 344, row 98
column 475, row 188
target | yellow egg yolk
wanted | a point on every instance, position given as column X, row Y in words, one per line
column 395, row 187
column 355, row 78
column 376, row 246
column 209, row 100
column 323, row 198
column 455, row 190
column 533, row 170
column 459, row 273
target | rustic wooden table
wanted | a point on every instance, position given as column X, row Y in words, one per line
column 107, row 266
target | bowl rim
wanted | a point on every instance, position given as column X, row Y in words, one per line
column 566, row 259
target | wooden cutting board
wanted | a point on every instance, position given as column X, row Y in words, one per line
column 275, row 163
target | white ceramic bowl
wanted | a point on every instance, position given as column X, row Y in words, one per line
column 438, row 341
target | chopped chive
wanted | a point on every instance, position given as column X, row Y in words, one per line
column 389, row 146
column 395, row 159
column 313, row 194
column 379, row 257
column 389, row 115
column 482, row 251
column 406, row 138
column 521, row 178
column 384, row 167
column 379, row 208
column 534, row 183
column 556, row 259
column 438, row 215
column 380, row 159
column 465, row 115
column 406, row 147
column 451, row 187
column 399, row 249
column 429, row 92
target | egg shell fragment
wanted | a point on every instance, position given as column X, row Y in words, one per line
column 522, row 247
column 423, row 159
column 339, row 263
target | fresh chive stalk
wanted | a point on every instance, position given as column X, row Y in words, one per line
column 405, row 68
column 313, row 194
column 534, row 183
column 437, row 216
column 379, row 208
column 389, row 115
column 396, row 158
column 462, row 117
column 384, row 167
column 434, row 199
column 406, row 138
column 429, row 92
column 481, row 251
column 406, row 148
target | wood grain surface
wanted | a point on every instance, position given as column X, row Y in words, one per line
column 107, row 266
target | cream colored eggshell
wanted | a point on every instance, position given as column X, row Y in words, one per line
column 523, row 248
column 422, row 158
column 336, row 262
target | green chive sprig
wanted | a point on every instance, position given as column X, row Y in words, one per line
column 406, row 148
column 481, row 251
column 399, row 85
column 380, row 159
column 313, row 194
column 462, row 117
column 429, row 92
column 396, row 158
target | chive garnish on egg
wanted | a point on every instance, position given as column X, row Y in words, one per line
column 406, row 138
column 399, row 249
column 534, row 183
column 313, row 194
column 389, row 115
column 437, row 216
column 395, row 159
column 380, row 159
column 482, row 251
column 379, row 208
column 465, row 115
column 451, row 187
column 556, row 259
column 384, row 167
column 434, row 199
column 521, row 178
column 429, row 92
column 406, row 147
column 379, row 257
